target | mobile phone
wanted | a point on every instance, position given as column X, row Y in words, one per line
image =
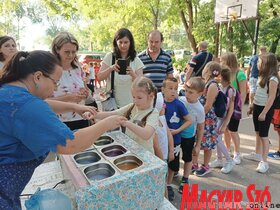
column 123, row 65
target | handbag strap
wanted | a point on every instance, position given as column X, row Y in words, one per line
column 201, row 67
column 112, row 76
column 236, row 79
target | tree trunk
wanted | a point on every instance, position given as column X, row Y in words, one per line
column 217, row 41
column 188, row 32
column 274, row 45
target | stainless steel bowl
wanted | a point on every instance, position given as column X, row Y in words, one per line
column 86, row 158
column 113, row 150
column 103, row 140
column 129, row 162
column 99, row 171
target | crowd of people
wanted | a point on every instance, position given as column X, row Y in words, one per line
column 43, row 107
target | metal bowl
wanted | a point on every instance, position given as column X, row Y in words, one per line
column 104, row 140
column 126, row 163
column 87, row 157
column 99, row 171
column 113, row 151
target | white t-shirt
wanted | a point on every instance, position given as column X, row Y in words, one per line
column 162, row 136
column 137, row 115
column 261, row 95
column 198, row 116
column 122, row 83
column 70, row 82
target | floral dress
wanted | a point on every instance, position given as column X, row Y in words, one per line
column 71, row 81
column 210, row 135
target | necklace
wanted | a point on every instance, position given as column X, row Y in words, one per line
column 23, row 85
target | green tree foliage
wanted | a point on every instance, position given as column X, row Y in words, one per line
column 184, row 23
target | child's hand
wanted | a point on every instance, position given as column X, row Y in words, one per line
column 262, row 117
column 195, row 151
column 250, row 109
column 222, row 129
column 173, row 131
column 171, row 156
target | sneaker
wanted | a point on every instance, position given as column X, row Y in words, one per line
column 236, row 158
column 262, row 167
column 170, row 192
column 216, row 164
column 181, row 187
column 253, row 156
column 274, row 155
column 203, row 170
column 194, row 168
column 227, row 167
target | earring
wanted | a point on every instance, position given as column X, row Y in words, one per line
column 36, row 86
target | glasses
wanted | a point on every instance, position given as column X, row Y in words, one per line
column 56, row 83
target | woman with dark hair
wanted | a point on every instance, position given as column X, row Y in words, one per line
column 72, row 87
column 123, row 48
column 30, row 128
column 8, row 48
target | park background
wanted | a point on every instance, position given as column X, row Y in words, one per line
column 184, row 23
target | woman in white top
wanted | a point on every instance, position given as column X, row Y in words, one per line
column 262, row 108
column 123, row 48
column 8, row 48
column 71, row 87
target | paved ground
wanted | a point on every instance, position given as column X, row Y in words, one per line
column 243, row 174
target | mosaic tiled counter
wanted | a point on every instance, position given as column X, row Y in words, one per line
column 123, row 176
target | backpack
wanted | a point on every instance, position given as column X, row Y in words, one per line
column 276, row 102
column 221, row 102
column 237, row 113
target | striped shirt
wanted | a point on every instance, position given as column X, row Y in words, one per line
column 156, row 70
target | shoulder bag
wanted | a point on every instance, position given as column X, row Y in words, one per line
column 109, row 104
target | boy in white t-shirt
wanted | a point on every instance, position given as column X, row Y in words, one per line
column 191, row 136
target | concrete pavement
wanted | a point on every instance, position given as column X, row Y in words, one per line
column 242, row 175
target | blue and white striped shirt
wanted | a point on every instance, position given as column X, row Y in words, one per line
column 156, row 70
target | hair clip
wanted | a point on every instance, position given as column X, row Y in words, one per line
column 215, row 72
column 22, row 58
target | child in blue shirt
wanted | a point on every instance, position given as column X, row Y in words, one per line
column 178, row 119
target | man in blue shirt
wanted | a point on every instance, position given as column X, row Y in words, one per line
column 158, row 63
column 198, row 61
column 254, row 73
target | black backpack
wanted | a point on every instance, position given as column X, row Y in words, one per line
column 221, row 102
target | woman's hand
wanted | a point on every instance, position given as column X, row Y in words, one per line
column 84, row 92
column 87, row 112
column 115, row 67
column 130, row 72
column 115, row 121
column 75, row 97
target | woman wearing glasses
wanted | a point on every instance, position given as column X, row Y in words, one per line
column 30, row 128
column 71, row 87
